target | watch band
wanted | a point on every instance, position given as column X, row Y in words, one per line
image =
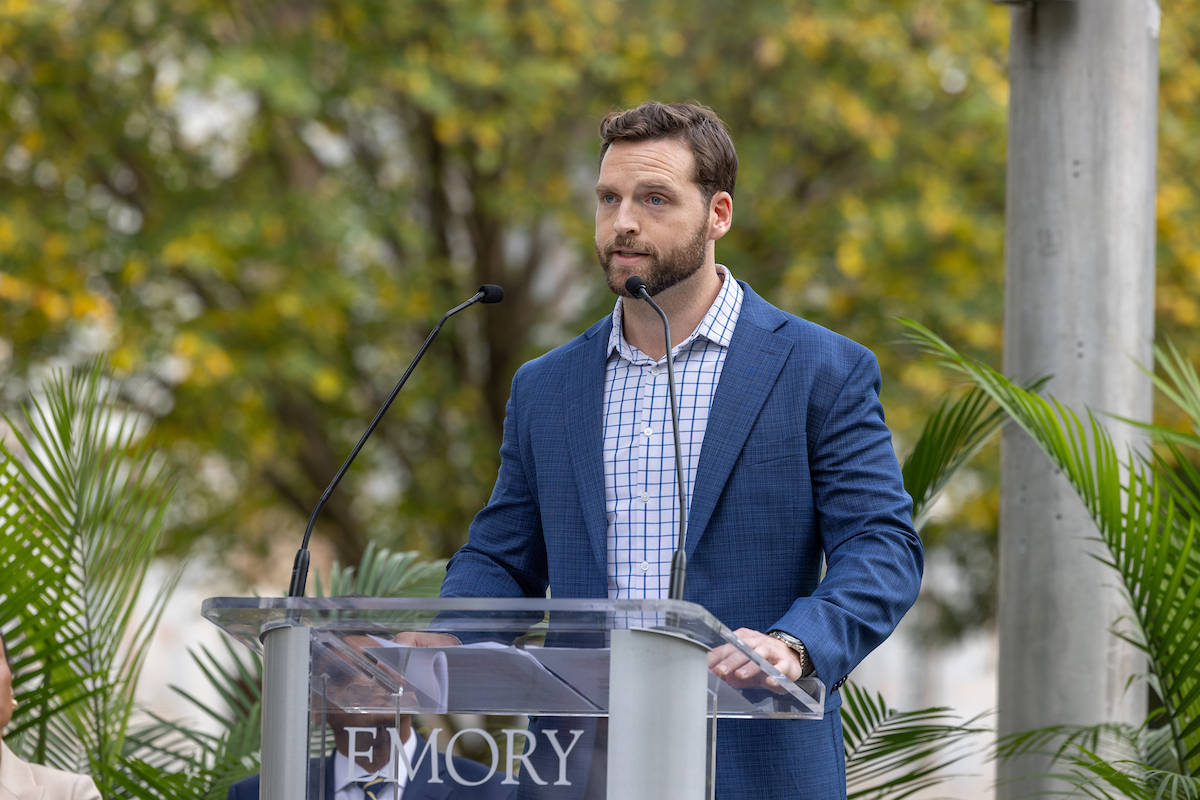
column 806, row 665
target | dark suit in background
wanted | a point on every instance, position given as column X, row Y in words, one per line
column 417, row 789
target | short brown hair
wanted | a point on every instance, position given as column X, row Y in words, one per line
column 696, row 125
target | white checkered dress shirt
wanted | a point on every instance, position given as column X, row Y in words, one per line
column 640, row 496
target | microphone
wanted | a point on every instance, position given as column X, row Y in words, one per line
column 488, row 293
column 637, row 287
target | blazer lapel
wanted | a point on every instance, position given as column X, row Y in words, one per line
column 752, row 365
column 583, row 391
column 16, row 778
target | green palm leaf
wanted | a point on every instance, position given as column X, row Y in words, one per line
column 950, row 438
column 210, row 764
column 1107, row 758
column 170, row 759
column 1145, row 520
column 88, row 496
column 1182, row 387
column 892, row 754
column 382, row 573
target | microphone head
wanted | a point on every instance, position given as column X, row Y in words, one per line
column 491, row 293
column 634, row 286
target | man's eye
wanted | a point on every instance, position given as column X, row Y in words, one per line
column 656, row 200
column 607, row 198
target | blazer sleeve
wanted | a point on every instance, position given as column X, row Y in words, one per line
column 874, row 558
column 505, row 553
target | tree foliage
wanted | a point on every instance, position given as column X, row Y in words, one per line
column 260, row 208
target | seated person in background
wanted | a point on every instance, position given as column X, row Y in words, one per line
column 21, row 779
column 376, row 772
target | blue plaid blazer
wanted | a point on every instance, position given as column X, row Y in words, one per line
column 796, row 463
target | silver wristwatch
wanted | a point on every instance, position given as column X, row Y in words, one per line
column 806, row 665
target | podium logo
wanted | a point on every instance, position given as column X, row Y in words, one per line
column 512, row 754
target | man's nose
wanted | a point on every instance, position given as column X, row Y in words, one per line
column 626, row 222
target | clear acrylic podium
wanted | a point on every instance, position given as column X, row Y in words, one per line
column 617, row 693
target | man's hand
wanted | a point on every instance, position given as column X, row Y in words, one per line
column 732, row 666
column 426, row 639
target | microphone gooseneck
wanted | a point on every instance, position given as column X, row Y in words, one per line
column 488, row 293
column 637, row 288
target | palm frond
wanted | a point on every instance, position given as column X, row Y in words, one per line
column 1108, row 760
column 212, row 763
column 1180, row 477
column 1181, row 385
column 1056, row 741
column 893, row 754
column 139, row 779
column 88, row 494
column 951, row 437
column 1145, row 522
column 382, row 573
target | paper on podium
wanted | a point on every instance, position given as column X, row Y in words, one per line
column 482, row 677
column 586, row 669
column 425, row 670
column 562, row 680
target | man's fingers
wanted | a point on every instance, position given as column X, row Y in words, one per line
column 736, row 668
column 425, row 639
column 751, row 672
column 725, row 659
column 730, row 664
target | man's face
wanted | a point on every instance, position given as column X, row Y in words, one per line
column 350, row 685
column 651, row 216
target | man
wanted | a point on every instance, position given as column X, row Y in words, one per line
column 377, row 772
column 786, row 456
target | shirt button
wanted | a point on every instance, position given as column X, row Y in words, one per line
column 645, row 497
column 648, row 431
column 645, row 565
column 654, row 370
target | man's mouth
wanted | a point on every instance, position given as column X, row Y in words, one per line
column 624, row 250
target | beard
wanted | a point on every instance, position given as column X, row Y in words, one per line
column 663, row 270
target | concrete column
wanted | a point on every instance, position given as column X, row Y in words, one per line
column 1079, row 305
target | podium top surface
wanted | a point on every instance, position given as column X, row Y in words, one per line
column 512, row 642
column 248, row 618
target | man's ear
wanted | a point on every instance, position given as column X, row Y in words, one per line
column 720, row 215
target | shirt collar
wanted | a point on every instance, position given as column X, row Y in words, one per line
column 341, row 768
column 715, row 327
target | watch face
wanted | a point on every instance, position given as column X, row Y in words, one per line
column 806, row 665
